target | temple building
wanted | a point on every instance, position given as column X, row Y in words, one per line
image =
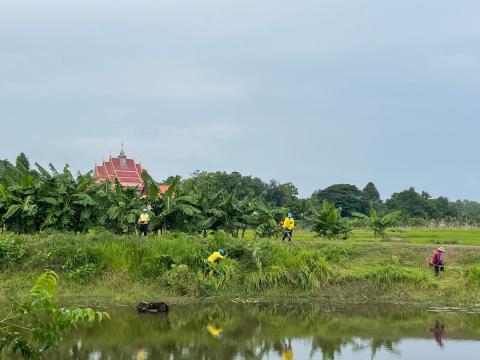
column 126, row 170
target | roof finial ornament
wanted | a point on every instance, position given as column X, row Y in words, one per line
column 122, row 153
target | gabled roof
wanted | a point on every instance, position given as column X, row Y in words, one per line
column 126, row 170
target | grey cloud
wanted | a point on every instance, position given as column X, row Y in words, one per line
column 312, row 92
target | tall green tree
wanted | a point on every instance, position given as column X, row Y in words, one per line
column 345, row 196
column 371, row 196
column 281, row 195
column 411, row 204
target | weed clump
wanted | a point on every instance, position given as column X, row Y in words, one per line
column 473, row 274
column 337, row 253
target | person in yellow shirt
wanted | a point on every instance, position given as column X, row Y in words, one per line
column 288, row 226
column 143, row 221
column 216, row 256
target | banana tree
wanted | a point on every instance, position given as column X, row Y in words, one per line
column 379, row 224
column 18, row 192
column 210, row 215
column 230, row 214
column 328, row 222
column 56, row 199
column 265, row 219
column 176, row 210
column 125, row 207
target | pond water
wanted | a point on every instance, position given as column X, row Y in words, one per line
column 267, row 331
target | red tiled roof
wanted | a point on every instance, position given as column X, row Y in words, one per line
column 100, row 172
column 109, row 169
column 163, row 188
column 125, row 170
column 131, row 165
column 124, row 173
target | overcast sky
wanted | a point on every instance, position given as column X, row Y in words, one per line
column 310, row 92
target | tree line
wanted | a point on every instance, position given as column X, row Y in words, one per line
column 33, row 198
column 416, row 208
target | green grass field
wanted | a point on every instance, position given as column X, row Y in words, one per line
column 108, row 268
column 428, row 236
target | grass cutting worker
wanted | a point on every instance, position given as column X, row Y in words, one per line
column 143, row 221
column 216, row 256
column 438, row 262
column 288, row 226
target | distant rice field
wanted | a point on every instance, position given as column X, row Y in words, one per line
column 413, row 236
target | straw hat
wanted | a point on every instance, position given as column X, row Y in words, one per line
column 441, row 249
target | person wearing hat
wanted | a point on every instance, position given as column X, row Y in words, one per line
column 288, row 226
column 143, row 221
column 437, row 261
column 216, row 256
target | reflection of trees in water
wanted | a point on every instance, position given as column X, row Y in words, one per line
column 249, row 332
column 378, row 344
column 332, row 346
column 327, row 346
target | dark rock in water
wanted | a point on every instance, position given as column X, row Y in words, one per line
column 152, row 307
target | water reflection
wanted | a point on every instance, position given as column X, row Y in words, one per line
column 269, row 332
column 216, row 332
column 284, row 349
column 438, row 331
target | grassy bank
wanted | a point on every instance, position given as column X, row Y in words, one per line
column 104, row 268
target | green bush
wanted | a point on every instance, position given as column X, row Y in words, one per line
column 181, row 279
column 84, row 273
column 153, row 266
column 12, row 251
column 65, row 254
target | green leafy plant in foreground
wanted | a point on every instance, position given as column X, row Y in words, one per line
column 37, row 325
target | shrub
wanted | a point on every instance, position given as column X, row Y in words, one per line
column 65, row 254
column 181, row 279
column 12, row 251
column 155, row 265
column 84, row 273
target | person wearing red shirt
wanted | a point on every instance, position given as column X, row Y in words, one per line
column 437, row 261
